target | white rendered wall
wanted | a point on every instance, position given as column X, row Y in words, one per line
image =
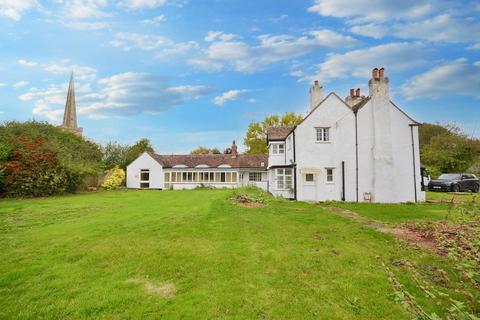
column 315, row 157
column 144, row 161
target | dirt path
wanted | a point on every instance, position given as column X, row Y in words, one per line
column 399, row 232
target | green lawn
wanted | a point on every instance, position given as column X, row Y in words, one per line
column 197, row 255
column 440, row 209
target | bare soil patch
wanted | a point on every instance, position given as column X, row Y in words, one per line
column 163, row 290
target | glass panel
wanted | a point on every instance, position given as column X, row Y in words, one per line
column 167, row 177
column 195, row 177
column 144, row 175
column 222, row 177
column 229, row 177
column 174, row 177
column 217, row 176
column 144, row 185
column 234, row 177
column 212, row 177
column 288, row 171
column 309, row 177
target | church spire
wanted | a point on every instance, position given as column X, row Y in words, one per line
column 70, row 114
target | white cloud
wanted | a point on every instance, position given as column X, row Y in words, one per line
column 84, row 9
column 27, row 63
column 358, row 63
column 123, row 94
column 13, row 9
column 374, row 10
column 141, row 4
column 228, row 96
column 162, row 46
column 271, row 48
column 20, row 84
column 219, row 35
column 3, row 84
column 155, row 20
column 372, row 30
column 452, row 78
column 252, row 100
column 63, row 67
column 440, row 28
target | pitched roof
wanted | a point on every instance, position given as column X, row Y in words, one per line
column 359, row 105
column 213, row 160
column 278, row 133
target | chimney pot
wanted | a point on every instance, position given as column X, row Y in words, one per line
column 352, row 92
column 357, row 92
column 315, row 82
column 375, row 73
column 381, row 73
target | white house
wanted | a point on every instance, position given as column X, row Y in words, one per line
column 357, row 149
column 154, row 171
column 361, row 148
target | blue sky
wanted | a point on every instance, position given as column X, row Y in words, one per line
column 188, row 73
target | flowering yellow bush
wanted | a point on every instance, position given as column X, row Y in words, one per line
column 114, row 178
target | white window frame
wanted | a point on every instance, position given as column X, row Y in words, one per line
column 144, row 181
column 330, row 177
column 257, row 176
column 278, row 148
column 283, row 180
column 322, row 134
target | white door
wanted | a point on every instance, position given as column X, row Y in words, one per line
column 309, row 186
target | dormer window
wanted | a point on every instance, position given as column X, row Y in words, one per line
column 278, row 148
column 323, row 134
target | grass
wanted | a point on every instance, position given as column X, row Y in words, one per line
column 198, row 255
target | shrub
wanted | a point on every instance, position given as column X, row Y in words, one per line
column 114, row 178
column 38, row 159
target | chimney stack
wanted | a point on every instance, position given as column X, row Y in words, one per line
column 381, row 73
column 352, row 93
column 316, row 95
column 378, row 85
column 234, row 151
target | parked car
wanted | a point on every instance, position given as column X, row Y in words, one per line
column 455, row 182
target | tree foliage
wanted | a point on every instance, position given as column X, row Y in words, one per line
column 115, row 154
column 204, row 150
column 141, row 146
column 256, row 135
column 121, row 155
column 39, row 159
column 446, row 149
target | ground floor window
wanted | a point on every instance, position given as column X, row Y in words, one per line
column 254, row 176
column 144, row 178
column 329, row 174
column 309, row 177
column 200, row 177
column 284, row 178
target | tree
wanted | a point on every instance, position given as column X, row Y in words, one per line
column 204, row 150
column 141, row 146
column 256, row 136
column 115, row 154
column 447, row 149
column 37, row 158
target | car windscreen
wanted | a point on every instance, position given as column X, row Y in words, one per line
column 449, row 176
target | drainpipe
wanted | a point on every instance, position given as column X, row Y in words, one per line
column 343, row 180
column 356, row 154
column 414, row 167
column 294, row 168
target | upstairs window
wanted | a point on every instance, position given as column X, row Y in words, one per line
column 323, row 134
column 278, row 148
